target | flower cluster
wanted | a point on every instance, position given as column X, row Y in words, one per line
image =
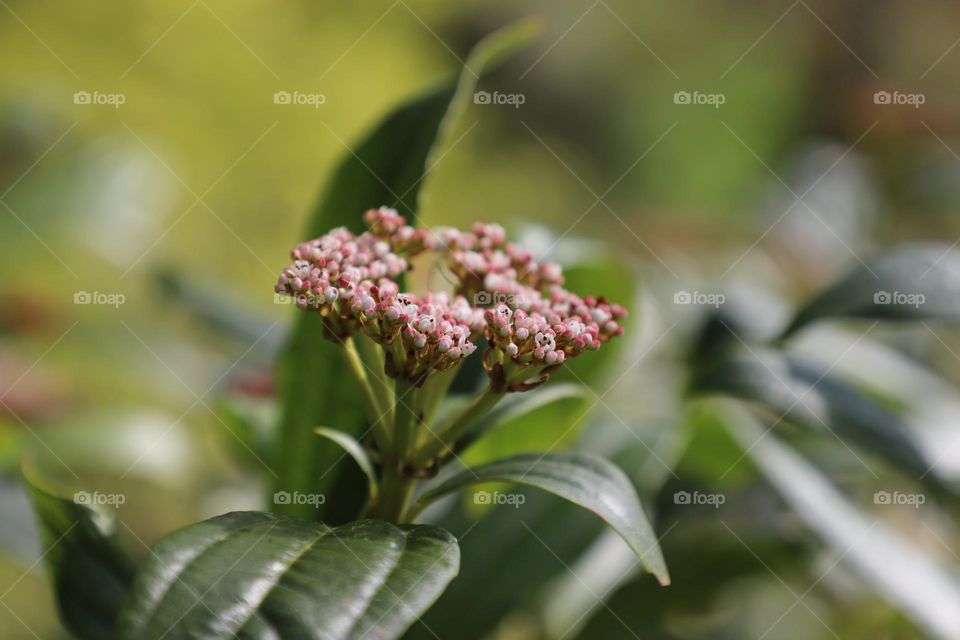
column 483, row 261
column 533, row 326
column 526, row 345
column 432, row 333
column 326, row 272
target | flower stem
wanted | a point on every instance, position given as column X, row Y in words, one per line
column 395, row 486
column 447, row 434
column 372, row 356
column 395, row 492
column 406, row 418
column 432, row 394
column 375, row 413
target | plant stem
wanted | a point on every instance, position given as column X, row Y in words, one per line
column 447, row 434
column 433, row 393
column 395, row 486
column 395, row 492
column 372, row 355
column 406, row 419
column 375, row 413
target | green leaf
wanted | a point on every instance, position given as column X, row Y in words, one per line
column 913, row 282
column 259, row 575
column 525, row 421
column 620, row 284
column 584, row 479
column 892, row 565
column 91, row 574
column 387, row 168
column 357, row 452
column 808, row 394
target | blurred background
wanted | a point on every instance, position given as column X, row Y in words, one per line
column 158, row 161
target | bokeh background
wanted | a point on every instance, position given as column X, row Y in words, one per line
column 172, row 197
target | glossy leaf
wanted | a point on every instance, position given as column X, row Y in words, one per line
column 387, row 168
column 584, row 479
column 913, row 282
column 259, row 575
column 91, row 574
column 809, row 394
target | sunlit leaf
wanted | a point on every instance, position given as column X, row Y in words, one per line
column 584, row 479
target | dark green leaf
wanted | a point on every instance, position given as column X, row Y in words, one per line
column 259, row 575
column 808, row 394
column 91, row 574
column 387, row 168
column 913, row 282
column 584, row 479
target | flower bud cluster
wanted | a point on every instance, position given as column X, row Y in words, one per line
column 526, row 345
column 419, row 335
column 483, row 261
column 533, row 326
column 390, row 226
column 326, row 271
